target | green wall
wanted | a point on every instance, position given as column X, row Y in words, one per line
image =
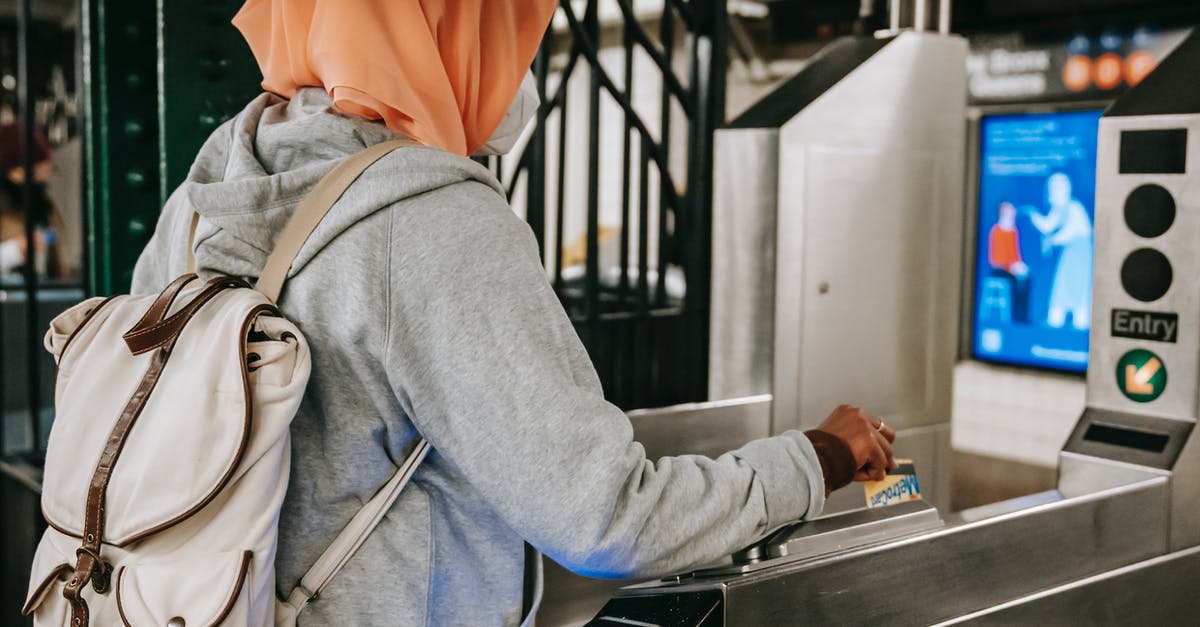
column 160, row 77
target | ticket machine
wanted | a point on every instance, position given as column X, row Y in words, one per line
column 1118, row 541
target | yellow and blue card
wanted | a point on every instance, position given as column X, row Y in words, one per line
column 898, row 486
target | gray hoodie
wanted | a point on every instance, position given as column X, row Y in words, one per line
column 428, row 311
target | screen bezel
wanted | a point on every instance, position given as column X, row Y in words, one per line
column 975, row 115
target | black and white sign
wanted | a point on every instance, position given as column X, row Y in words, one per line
column 1155, row 326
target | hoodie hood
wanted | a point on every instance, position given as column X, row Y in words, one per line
column 254, row 171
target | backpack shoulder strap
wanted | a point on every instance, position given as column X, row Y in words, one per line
column 355, row 533
column 308, row 215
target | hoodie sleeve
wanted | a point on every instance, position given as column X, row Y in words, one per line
column 488, row 367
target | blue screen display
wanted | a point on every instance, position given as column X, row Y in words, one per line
column 1033, row 270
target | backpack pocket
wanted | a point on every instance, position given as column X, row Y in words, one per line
column 45, row 594
column 65, row 325
column 196, row 591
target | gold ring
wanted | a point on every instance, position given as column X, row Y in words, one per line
column 881, row 425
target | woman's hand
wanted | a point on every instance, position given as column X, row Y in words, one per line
column 870, row 440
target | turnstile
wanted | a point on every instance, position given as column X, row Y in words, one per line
column 837, row 228
column 1119, row 541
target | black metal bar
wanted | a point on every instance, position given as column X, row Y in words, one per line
column 592, row 285
column 642, row 370
column 648, row 349
column 667, row 35
column 559, row 192
column 670, row 81
column 684, row 9
column 709, row 79
column 28, row 120
column 586, row 47
column 627, row 42
column 535, row 178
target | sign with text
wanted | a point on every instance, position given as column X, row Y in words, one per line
column 1155, row 326
column 1007, row 68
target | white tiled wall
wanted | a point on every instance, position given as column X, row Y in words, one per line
column 1014, row 414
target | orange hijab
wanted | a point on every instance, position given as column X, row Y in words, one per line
column 442, row 72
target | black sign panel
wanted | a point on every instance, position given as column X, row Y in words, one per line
column 1155, row 326
column 1158, row 151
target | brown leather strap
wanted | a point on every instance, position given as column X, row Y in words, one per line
column 310, row 213
column 147, row 337
column 161, row 305
column 90, row 566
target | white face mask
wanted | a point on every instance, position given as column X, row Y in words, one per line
column 523, row 109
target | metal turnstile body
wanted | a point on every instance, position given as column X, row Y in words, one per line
column 1118, row 543
column 837, row 243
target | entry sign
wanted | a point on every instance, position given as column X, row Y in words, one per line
column 1141, row 375
column 1145, row 325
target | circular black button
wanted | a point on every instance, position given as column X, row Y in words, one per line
column 1150, row 210
column 1146, row 274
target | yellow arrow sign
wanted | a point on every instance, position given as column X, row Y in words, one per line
column 1137, row 380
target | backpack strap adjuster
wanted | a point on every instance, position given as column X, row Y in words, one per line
column 101, row 573
column 309, row 595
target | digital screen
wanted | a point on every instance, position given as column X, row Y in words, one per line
column 1033, row 268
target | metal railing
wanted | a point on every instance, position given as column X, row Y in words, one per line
column 615, row 182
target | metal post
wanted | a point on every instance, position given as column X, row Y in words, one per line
column 921, row 15
column 894, row 8
column 27, row 120
column 944, row 17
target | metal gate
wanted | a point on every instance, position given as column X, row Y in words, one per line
column 615, row 181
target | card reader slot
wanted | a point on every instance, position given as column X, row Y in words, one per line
column 1149, row 441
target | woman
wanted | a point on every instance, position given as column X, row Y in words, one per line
column 425, row 304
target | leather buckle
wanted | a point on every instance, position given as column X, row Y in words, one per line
column 101, row 573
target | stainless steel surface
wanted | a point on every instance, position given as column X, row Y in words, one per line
column 1084, row 474
column 1114, row 243
column 871, row 207
column 1180, row 398
column 853, row 529
column 828, row 535
column 948, row 573
column 1158, row 591
column 1000, row 508
column 837, row 250
column 944, row 17
column 1185, row 495
column 710, row 429
column 741, row 335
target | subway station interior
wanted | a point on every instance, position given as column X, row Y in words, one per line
column 970, row 218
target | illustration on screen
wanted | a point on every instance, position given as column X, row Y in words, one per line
column 1033, row 278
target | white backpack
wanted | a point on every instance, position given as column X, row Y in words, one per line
column 169, row 456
